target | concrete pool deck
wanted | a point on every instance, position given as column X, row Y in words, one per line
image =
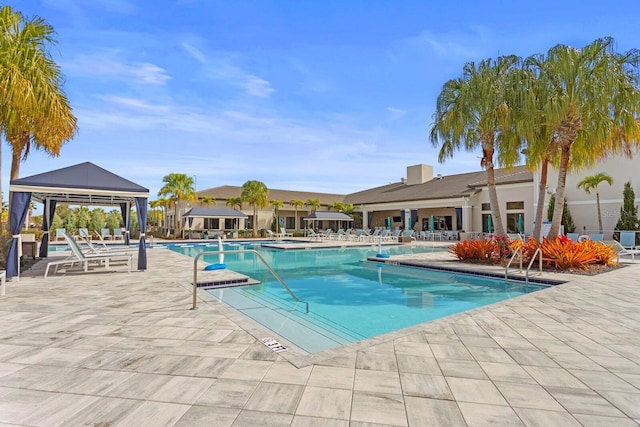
column 112, row 348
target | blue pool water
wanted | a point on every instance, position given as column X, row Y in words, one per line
column 349, row 300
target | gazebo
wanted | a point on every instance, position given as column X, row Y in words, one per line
column 82, row 184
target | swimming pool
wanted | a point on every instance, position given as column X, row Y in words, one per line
column 349, row 300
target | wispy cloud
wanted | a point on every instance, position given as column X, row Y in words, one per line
column 395, row 113
column 108, row 64
column 194, row 52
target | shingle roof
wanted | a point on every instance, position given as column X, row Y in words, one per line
column 227, row 191
column 452, row 186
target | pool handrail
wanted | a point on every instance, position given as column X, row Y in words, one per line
column 240, row 251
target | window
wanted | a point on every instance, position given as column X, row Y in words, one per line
column 212, row 223
column 229, row 223
column 515, row 223
column 290, row 222
column 486, row 206
column 487, row 224
column 515, row 205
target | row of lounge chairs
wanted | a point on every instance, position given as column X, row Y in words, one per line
column 105, row 234
column 360, row 235
column 94, row 254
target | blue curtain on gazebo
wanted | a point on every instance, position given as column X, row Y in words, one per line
column 47, row 220
column 141, row 208
column 126, row 217
column 414, row 218
column 369, row 219
column 17, row 215
column 190, row 225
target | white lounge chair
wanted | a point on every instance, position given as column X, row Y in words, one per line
column 80, row 257
column 622, row 251
column 105, row 233
column 285, row 233
column 60, row 233
column 117, row 234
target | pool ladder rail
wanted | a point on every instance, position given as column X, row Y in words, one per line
column 538, row 253
column 240, row 251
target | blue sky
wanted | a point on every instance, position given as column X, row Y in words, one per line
column 327, row 96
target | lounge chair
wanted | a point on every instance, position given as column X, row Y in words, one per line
column 60, row 233
column 105, row 233
column 80, row 257
column 312, row 234
column 284, row 232
column 272, row 235
column 117, row 234
column 628, row 239
column 573, row 236
column 621, row 251
column 597, row 237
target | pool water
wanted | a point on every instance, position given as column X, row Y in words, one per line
column 349, row 300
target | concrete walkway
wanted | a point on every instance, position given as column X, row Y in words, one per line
column 112, row 348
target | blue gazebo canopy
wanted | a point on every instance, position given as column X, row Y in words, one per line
column 82, row 184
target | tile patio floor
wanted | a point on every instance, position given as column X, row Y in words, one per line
column 118, row 349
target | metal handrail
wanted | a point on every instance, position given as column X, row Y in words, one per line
column 240, row 251
column 506, row 269
column 533, row 258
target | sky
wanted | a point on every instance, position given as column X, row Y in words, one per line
column 332, row 96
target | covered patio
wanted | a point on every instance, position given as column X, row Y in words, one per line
column 212, row 213
column 81, row 184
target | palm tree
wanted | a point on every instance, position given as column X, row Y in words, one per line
column 235, row 203
column 34, row 110
column 314, row 204
column 178, row 187
column 296, row 204
column 208, row 200
column 255, row 193
column 589, row 183
column 592, row 105
column 277, row 205
column 473, row 111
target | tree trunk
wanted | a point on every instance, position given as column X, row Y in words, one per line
column 560, row 191
column 255, row 220
column 599, row 214
column 493, row 199
column 542, row 188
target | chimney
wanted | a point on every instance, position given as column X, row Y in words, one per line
column 419, row 174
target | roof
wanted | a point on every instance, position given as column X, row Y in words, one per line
column 214, row 213
column 227, row 191
column 331, row 216
column 452, row 186
column 82, row 183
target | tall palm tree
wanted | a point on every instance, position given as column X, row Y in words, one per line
column 296, row 204
column 591, row 182
column 178, row 187
column 34, row 110
column 235, row 203
column 314, row 204
column 277, row 205
column 592, row 106
column 256, row 194
column 474, row 111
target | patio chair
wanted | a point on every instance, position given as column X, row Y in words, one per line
column 105, row 233
column 60, row 233
column 621, row 251
column 79, row 257
column 284, row 232
column 597, row 237
column 628, row 239
column 573, row 236
column 117, row 234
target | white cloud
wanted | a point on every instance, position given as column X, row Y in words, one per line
column 194, row 52
column 107, row 64
column 395, row 113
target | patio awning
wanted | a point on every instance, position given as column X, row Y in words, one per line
column 328, row 216
column 214, row 213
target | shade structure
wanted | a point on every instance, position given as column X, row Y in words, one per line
column 330, row 216
column 81, row 184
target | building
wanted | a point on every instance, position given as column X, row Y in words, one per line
column 457, row 202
